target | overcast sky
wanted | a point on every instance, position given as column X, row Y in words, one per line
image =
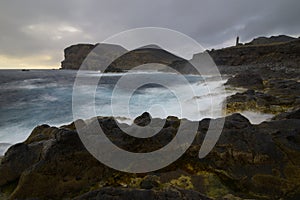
column 33, row 33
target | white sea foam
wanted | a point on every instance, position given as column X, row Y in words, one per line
column 14, row 134
column 29, row 84
column 3, row 148
column 257, row 117
column 131, row 72
column 47, row 97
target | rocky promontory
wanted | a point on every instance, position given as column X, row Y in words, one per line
column 98, row 57
column 75, row 56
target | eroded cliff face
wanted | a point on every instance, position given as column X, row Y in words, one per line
column 75, row 54
column 92, row 57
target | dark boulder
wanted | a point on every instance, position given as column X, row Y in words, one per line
column 17, row 159
column 143, row 120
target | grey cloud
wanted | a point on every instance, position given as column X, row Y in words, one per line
column 210, row 22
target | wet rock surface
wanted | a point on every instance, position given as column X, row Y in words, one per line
column 275, row 96
column 269, row 88
column 249, row 161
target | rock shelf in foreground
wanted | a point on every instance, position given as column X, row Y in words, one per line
column 249, row 161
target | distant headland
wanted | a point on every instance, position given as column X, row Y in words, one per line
column 275, row 51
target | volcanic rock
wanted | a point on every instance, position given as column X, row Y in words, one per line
column 246, row 79
column 248, row 161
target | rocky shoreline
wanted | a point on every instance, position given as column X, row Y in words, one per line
column 248, row 162
column 267, row 95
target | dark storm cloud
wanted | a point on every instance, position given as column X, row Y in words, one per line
column 32, row 28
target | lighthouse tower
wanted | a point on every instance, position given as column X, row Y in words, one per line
column 237, row 41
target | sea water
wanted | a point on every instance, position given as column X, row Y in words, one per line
column 35, row 97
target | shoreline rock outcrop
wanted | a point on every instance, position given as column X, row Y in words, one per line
column 249, row 161
column 268, row 95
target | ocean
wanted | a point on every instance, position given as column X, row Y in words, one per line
column 35, row 97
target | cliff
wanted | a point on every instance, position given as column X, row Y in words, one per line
column 103, row 54
column 75, row 56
